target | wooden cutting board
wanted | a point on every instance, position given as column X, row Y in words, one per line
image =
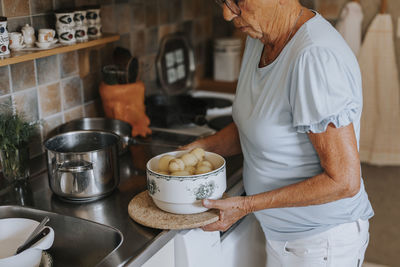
column 143, row 210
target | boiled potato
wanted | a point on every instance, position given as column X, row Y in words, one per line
column 163, row 163
column 181, row 173
column 203, row 169
column 198, row 152
column 190, row 169
column 205, row 163
column 176, row 165
column 189, row 159
column 162, row 172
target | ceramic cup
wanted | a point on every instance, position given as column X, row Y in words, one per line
column 80, row 17
column 66, row 35
column 4, row 39
column 93, row 15
column 65, row 18
column 46, row 35
column 81, row 33
column 16, row 40
column 29, row 35
column 94, row 31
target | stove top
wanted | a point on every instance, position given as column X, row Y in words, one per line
column 218, row 105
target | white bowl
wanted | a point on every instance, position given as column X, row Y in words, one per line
column 183, row 194
column 14, row 232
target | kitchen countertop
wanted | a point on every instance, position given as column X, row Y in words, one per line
column 140, row 242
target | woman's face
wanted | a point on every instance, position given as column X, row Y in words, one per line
column 258, row 17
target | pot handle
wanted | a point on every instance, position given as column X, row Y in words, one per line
column 75, row 166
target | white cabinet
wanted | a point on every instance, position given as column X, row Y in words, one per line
column 245, row 245
column 163, row 258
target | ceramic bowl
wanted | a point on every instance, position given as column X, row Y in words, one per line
column 45, row 45
column 183, row 194
column 14, row 232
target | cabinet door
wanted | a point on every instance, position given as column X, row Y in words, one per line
column 164, row 257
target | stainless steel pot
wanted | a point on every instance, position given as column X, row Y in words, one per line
column 83, row 165
column 118, row 127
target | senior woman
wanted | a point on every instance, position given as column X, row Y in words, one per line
column 296, row 120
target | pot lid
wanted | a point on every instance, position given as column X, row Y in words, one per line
column 175, row 64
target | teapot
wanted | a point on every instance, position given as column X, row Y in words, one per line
column 29, row 35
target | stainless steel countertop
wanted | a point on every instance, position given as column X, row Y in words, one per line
column 140, row 242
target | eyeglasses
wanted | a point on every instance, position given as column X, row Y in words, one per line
column 232, row 5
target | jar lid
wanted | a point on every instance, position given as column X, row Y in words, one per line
column 3, row 18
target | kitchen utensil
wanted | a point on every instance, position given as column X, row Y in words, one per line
column 83, row 165
column 118, row 127
column 143, row 210
column 113, row 75
column 125, row 62
column 35, row 232
column 183, row 194
column 13, row 232
column 44, row 232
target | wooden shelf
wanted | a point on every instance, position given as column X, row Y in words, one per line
column 21, row 56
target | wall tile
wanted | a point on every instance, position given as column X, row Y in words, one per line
column 15, row 24
column 26, row 102
column 125, row 41
column 86, row 2
column 330, row 8
column 41, row 6
column 16, row 8
column 308, row 3
column 63, row 4
column 1, row 7
column 163, row 14
column 4, row 80
column 91, row 87
column 151, row 40
column 151, row 8
column 188, row 10
column 123, row 13
column 93, row 109
column 50, row 124
column 47, row 69
column 43, row 21
column 23, row 75
column 108, row 18
column 72, row 93
column 166, row 29
column 49, row 99
column 94, row 59
column 69, row 64
column 72, row 114
column 175, row 10
column 138, row 15
column 138, row 46
column 106, row 54
column 5, row 102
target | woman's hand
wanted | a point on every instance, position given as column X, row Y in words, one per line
column 230, row 211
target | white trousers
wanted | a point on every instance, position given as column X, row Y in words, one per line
column 341, row 246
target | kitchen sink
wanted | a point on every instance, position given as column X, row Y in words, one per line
column 77, row 242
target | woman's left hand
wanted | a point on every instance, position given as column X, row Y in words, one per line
column 230, row 211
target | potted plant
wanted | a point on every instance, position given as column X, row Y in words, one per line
column 15, row 133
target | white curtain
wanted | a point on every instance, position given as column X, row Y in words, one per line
column 350, row 25
column 380, row 121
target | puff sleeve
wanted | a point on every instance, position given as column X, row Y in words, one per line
column 324, row 90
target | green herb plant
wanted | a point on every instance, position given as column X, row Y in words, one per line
column 15, row 133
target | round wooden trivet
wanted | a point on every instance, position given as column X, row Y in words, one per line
column 143, row 210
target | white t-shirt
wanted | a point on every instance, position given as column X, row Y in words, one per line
column 313, row 82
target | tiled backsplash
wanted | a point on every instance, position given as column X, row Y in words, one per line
column 50, row 89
